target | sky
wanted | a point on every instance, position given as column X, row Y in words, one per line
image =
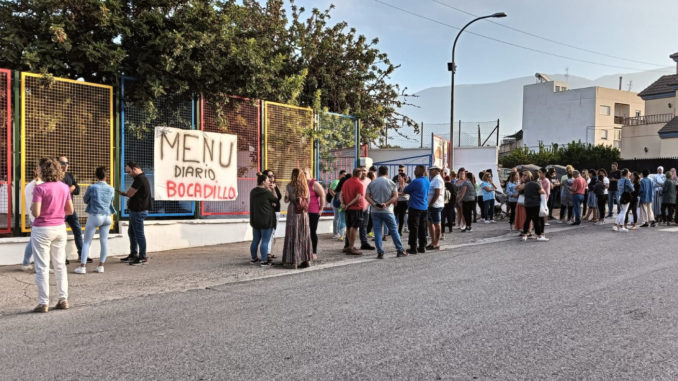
column 614, row 36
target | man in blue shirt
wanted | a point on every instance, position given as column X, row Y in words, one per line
column 417, row 210
column 646, row 197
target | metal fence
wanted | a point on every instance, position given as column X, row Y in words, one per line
column 242, row 117
column 63, row 117
column 409, row 162
column 287, row 140
column 5, row 151
column 136, row 132
column 336, row 145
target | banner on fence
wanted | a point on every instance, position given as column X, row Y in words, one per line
column 440, row 151
column 195, row 165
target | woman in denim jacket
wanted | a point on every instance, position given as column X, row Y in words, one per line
column 99, row 200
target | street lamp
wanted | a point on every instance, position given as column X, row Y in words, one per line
column 451, row 66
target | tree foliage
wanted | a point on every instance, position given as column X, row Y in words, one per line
column 577, row 154
column 274, row 51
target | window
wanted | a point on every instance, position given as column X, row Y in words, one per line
column 604, row 110
column 637, row 113
column 557, row 89
column 603, row 134
column 617, row 134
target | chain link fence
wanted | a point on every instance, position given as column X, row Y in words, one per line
column 287, row 131
column 5, row 151
column 336, row 145
column 63, row 117
column 136, row 132
column 242, row 117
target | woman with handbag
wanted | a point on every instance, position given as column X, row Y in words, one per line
column 297, row 248
column 532, row 191
column 625, row 189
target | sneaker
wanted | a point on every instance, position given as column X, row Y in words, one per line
column 644, row 225
column 623, row 230
column 100, row 269
column 266, row 264
column 493, row 221
column 468, row 229
column 80, row 270
column 487, row 221
column 410, row 251
column 255, row 261
column 128, row 258
column 380, row 255
column 27, row 268
column 653, row 224
column 62, row 305
column 401, row 254
column 340, row 238
column 633, row 227
column 547, row 224
column 41, row 308
column 138, row 262
column 542, row 238
column 370, row 234
column 366, row 246
column 524, row 238
column 615, row 228
column 354, row 252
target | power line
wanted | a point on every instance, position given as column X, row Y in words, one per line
column 510, row 43
column 546, row 38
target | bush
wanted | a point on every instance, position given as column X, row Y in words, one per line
column 577, row 154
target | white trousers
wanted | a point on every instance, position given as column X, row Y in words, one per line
column 278, row 229
column 49, row 242
column 621, row 217
column 646, row 213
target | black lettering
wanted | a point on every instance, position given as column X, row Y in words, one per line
column 188, row 171
column 187, row 148
column 198, row 173
column 207, row 146
column 221, row 154
column 211, row 174
column 162, row 145
column 177, row 171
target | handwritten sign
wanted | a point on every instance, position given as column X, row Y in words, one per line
column 195, row 165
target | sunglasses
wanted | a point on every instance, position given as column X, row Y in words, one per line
column 64, row 162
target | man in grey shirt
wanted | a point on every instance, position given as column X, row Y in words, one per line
column 382, row 194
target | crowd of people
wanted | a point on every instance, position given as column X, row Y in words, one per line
column 49, row 205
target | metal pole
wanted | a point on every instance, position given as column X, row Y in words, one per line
column 451, row 66
column 497, row 132
column 421, row 145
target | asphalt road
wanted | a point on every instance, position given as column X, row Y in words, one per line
column 589, row 304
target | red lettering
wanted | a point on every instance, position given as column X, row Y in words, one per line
column 189, row 190
column 181, row 190
column 231, row 193
column 209, row 190
column 198, row 191
column 171, row 188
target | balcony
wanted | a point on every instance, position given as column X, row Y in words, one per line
column 619, row 119
column 646, row 119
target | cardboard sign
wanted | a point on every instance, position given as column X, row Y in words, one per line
column 194, row 165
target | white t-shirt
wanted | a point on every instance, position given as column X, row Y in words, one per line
column 437, row 183
column 28, row 198
column 606, row 181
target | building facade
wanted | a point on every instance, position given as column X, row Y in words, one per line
column 654, row 134
column 553, row 113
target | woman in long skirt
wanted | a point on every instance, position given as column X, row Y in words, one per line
column 297, row 249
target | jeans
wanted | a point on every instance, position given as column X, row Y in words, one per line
column 416, row 221
column 28, row 252
column 621, row 216
column 602, row 200
column 512, row 211
column 49, row 242
column 400, row 210
column 313, row 219
column 135, row 231
column 468, row 207
column 74, row 223
column 632, row 209
column 388, row 219
column 339, row 222
column 488, row 205
column 275, row 230
column 611, row 198
column 94, row 221
column 363, row 227
column 263, row 236
column 577, row 199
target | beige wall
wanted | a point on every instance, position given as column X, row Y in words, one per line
column 636, row 138
column 660, row 106
column 621, row 103
column 669, row 147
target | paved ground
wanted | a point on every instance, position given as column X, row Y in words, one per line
column 589, row 304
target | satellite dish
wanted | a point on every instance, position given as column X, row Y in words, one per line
column 542, row 77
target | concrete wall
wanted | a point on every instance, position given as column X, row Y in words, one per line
column 160, row 235
column 556, row 117
column 552, row 116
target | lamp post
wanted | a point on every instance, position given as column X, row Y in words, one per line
column 451, row 66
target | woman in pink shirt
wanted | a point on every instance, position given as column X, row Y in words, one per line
column 51, row 204
column 315, row 209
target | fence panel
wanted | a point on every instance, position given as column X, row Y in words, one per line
column 286, row 140
column 5, row 151
column 63, row 117
column 337, row 145
column 137, row 128
column 241, row 117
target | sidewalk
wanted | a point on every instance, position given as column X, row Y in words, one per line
column 195, row 268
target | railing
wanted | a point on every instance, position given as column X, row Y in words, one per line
column 647, row 119
column 619, row 119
